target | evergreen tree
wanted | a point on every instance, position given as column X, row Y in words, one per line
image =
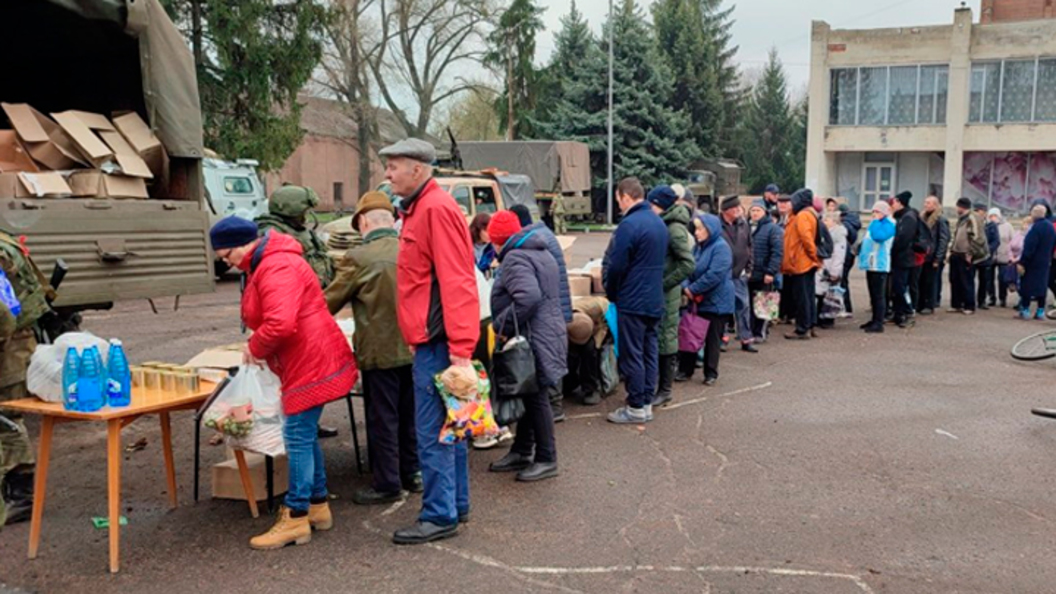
column 691, row 56
column 769, row 134
column 575, row 46
column 514, row 49
column 718, row 24
column 797, row 171
column 253, row 58
column 650, row 138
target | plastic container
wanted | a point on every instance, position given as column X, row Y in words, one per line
column 7, row 295
column 119, row 384
column 70, row 373
column 90, row 394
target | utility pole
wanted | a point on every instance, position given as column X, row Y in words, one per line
column 609, row 195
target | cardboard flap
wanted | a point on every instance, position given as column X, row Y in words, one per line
column 126, row 156
column 89, row 144
column 24, row 121
column 93, row 183
column 44, row 184
column 13, row 157
column 136, row 132
column 94, row 121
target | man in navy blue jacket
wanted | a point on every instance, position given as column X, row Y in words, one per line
column 633, row 275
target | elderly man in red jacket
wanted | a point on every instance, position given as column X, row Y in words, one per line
column 439, row 315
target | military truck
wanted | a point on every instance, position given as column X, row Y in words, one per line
column 108, row 57
column 555, row 168
column 711, row 179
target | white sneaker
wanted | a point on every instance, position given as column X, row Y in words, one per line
column 485, row 443
column 505, row 435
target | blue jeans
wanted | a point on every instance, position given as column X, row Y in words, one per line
column 307, row 472
column 445, row 468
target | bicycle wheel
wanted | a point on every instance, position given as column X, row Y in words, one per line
column 1036, row 347
column 1048, row 413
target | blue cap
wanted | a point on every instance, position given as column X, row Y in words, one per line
column 662, row 196
column 232, row 232
column 772, row 188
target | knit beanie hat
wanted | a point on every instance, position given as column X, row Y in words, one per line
column 580, row 329
column 523, row 214
column 994, row 212
column 964, row 203
column 904, row 198
column 819, row 204
column 882, row 207
column 759, row 204
column 730, row 202
column 503, row 225
column 662, row 196
column 232, row 232
column 979, row 206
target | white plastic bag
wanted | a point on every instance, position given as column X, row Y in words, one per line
column 248, row 412
column 44, row 376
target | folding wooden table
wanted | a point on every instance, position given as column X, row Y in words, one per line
column 144, row 402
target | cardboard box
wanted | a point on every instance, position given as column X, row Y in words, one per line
column 227, row 484
column 93, row 183
column 143, row 141
column 45, row 141
column 126, row 156
column 580, row 285
column 597, row 286
column 81, row 127
column 566, row 241
column 13, row 156
column 27, row 184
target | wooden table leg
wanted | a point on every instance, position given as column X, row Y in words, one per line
column 113, row 482
column 247, row 482
column 40, row 484
column 170, row 466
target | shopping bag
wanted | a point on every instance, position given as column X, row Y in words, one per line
column 610, row 375
column 832, row 304
column 513, row 375
column 1009, row 275
column 767, row 305
column 469, row 412
column 692, row 329
column 248, row 412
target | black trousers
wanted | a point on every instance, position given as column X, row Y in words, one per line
column 929, row 277
column 938, row 285
column 877, row 283
column 804, row 304
column 584, row 369
column 392, row 446
column 986, row 290
column 900, row 298
column 535, row 430
column 845, row 282
column 687, row 362
column 962, row 283
column 914, row 286
column 1002, row 284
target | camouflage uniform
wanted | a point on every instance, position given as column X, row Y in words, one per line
column 287, row 209
column 557, row 212
column 17, row 342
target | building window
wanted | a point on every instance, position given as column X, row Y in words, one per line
column 1013, row 91
column 888, row 95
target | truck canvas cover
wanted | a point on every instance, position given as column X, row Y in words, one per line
column 561, row 166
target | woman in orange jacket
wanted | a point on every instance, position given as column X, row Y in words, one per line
column 801, row 262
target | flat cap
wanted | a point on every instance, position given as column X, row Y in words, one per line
column 411, row 148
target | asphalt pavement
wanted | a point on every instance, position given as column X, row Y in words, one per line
column 902, row 462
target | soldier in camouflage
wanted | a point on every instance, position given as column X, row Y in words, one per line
column 17, row 342
column 287, row 211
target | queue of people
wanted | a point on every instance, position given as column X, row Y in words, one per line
column 675, row 281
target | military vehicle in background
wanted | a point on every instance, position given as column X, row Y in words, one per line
column 556, row 168
column 711, row 179
column 109, row 57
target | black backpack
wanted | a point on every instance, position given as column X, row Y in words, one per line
column 823, row 241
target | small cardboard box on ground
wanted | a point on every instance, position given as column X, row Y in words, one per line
column 227, row 483
column 597, row 286
column 580, row 285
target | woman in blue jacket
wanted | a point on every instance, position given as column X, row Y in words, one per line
column 709, row 289
column 874, row 258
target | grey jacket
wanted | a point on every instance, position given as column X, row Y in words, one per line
column 528, row 283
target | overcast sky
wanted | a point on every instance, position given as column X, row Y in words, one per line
column 762, row 24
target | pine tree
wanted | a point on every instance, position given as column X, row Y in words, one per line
column 770, row 132
column 514, row 50
column 690, row 55
column 253, row 58
column 718, row 25
column 650, row 138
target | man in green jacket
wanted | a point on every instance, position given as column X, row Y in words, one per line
column 366, row 278
column 287, row 213
column 678, row 265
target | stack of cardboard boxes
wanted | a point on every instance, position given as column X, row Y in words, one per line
column 77, row 154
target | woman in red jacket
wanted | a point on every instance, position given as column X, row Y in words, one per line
column 295, row 335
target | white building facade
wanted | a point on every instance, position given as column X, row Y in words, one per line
column 957, row 110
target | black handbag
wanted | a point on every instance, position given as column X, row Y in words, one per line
column 513, row 376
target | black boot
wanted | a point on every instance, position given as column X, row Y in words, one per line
column 667, row 377
column 17, row 492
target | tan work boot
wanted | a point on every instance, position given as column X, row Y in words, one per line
column 319, row 516
column 287, row 530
